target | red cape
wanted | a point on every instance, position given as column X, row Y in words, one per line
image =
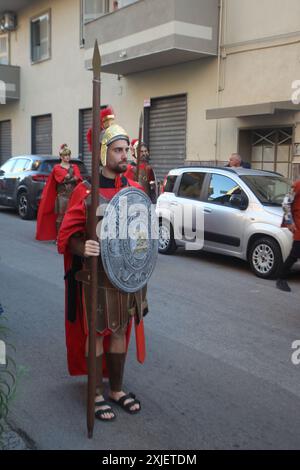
column 76, row 332
column 46, row 219
column 296, row 210
column 130, row 172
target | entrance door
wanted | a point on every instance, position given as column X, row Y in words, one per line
column 272, row 150
column 223, row 223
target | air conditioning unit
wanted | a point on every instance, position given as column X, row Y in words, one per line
column 8, row 22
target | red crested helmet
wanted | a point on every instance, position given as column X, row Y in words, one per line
column 64, row 150
column 106, row 117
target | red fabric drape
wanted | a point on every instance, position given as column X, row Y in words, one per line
column 46, row 219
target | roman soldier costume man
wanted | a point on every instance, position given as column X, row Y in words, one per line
column 146, row 176
column 116, row 310
column 56, row 194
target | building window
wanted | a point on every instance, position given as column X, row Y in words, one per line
column 40, row 37
column 191, row 185
column 272, row 150
column 124, row 3
column 4, row 49
column 221, row 189
column 91, row 10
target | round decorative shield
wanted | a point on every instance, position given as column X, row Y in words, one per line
column 129, row 239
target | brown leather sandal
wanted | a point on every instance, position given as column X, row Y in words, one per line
column 127, row 407
column 99, row 414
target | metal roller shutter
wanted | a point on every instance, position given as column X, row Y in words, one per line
column 42, row 135
column 5, row 141
column 86, row 118
column 167, row 133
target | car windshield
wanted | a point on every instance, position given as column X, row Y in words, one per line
column 46, row 166
column 270, row 190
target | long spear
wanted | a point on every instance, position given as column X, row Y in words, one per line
column 139, row 147
column 139, row 325
column 92, row 235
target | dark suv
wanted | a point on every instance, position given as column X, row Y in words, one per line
column 22, row 180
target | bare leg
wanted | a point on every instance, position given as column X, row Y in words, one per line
column 115, row 362
column 99, row 383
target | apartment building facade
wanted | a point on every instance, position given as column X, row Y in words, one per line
column 212, row 76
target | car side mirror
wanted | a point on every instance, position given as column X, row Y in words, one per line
column 2, row 172
column 239, row 201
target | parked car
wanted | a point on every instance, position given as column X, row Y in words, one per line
column 22, row 180
column 241, row 210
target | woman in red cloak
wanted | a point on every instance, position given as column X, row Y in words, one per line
column 56, row 194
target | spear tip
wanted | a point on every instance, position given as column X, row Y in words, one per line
column 96, row 58
column 141, row 119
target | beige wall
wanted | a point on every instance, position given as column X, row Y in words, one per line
column 251, row 72
column 252, row 20
column 260, row 61
column 195, row 79
column 261, row 51
column 260, row 75
column 59, row 86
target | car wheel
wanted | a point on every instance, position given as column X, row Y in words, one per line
column 265, row 258
column 24, row 208
column 166, row 242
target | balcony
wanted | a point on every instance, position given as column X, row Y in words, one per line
column 150, row 34
column 9, row 83
column 13, row 5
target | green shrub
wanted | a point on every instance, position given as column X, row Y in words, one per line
column 8, row 373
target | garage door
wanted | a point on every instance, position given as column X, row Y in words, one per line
column 85, row 122
column 5, row 141
column 167, row 133
column 42, row 135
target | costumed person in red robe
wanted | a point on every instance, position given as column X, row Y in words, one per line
column 146, row 177
column 291, row 220
column 56, row 194
column 116, row 309
column 107, row 118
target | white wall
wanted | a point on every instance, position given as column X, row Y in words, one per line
column 253, row 73
column 59, row 86
column 251, row 20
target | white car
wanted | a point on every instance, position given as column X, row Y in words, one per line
column 241, row 214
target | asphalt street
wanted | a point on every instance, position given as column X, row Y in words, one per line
column 218, row 373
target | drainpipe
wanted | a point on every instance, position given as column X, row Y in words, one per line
column 221, row 9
